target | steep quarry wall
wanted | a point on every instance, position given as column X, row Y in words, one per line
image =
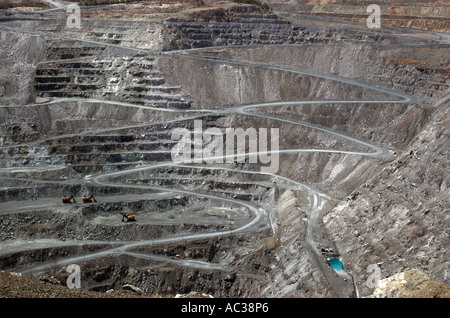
column 102, row 106
column 391, row 124
column 295, row 270
column 18, row 63
column 409, row 70
column 396, row 219
column 421, row 15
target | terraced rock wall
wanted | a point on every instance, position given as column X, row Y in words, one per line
column 102, row 108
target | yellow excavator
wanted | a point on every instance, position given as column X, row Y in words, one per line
column 128, row 217
column 68, row 199
column 88, row 199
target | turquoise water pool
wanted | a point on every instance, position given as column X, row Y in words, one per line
column 336, row 264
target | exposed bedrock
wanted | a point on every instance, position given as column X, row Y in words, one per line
column 362, row 119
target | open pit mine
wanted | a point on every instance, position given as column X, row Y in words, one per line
column 252, row 149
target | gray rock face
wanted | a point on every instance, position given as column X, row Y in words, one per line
column 396, row 217
column 106, row 98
